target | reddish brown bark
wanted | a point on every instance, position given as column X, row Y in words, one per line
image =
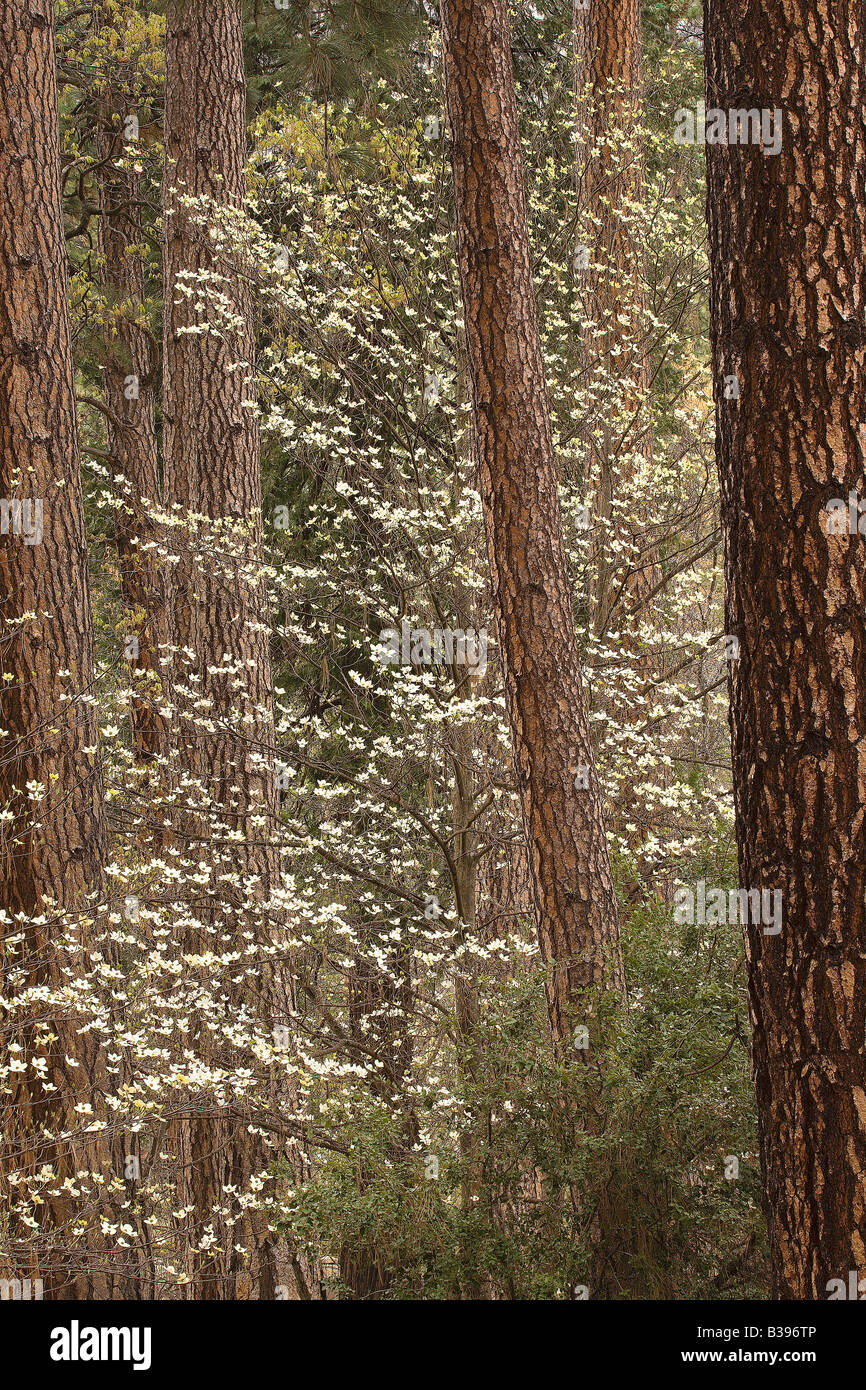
column 52, row 846
column 222, row 678
column 129, row 369
column 788, row 307
column 574, row 897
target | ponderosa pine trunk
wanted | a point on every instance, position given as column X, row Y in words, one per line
column 129, row 371
column 575, row 905
column 222, row 685
column 51, row 847
column 788, row 307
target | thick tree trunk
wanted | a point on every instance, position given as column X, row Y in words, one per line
column 129, row 370
column 52, row 846
column 574, row 896
column 788, row 307
column 222, row 680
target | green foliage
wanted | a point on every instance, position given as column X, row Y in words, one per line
column 500, row 1194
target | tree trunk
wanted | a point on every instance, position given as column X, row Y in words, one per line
column 608, row 73
column 129, row 370
column 788, row 306
column 52, row 847
column 222, row 683
column 574, row 897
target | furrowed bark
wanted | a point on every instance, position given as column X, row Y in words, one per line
column 212, row 470
column 129, row 369
column 786, row 237
column 574, row 897
column 52, row 846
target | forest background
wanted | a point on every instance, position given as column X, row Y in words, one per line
column 284, row 1028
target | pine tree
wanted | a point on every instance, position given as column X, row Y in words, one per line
column 129, row 372
column 561, row 804
column 788, row 297
column 222, row 678
column 53, row 832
